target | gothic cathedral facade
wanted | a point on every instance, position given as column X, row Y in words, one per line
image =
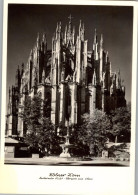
column 73, row 79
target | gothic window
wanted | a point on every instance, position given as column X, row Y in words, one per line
column 47, row 104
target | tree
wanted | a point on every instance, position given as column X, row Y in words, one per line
column 40, row 132
column 121, row 123
column 94, row 131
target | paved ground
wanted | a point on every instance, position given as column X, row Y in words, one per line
column 64, row 162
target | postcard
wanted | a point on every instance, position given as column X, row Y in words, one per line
column 68, row 118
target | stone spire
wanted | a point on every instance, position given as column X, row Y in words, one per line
column 94, row 78
column 101, row 58
column 70, row 33
column 95, row 46
column 22, row 69
column 31, row 54
column 73, row 34
column 104, row 80
column 44, row 38
column 107, row 57
column 95, row 37
column 101, row 42
column 80, row 27
column 65, row 35
column 17, row 77
column 81, row 31
column 38, row 41
column 70, row 24
column 44, row 43
column 118, row 80
column 112, row 87
column 58, row 31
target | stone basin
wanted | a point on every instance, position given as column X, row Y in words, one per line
column 65, row 150
column 66, row 145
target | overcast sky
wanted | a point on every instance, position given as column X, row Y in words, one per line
column 115, row 23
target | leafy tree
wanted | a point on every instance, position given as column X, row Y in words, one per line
column 121, row 123
column 93, row 131
column 119, row 150
column 40, row 132
column 96, row 130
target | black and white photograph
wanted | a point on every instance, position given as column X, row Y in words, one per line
column 69, row 85
column 69, row 95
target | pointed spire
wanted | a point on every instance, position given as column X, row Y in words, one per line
column 70, row 19
column 123, row 89
column 38, row 37
column 107, row 56
column 70, row 24
column 95, row 37
column 70, row 35
column 73, row 31
column 95, row 46
column 31, row 53
column 112, row 87
column 59, row 27
column 44, row 43
column 53, row 42
column 17, row 75
column 22, row 65
column 22, row 71
column 102, row 38
column 101, row 41
column 66, row 29
column 18, row 70
column 103, row 80
column 94, row 78
column 56, row 34
column 83, row 26
column 65, row 35
column 81, row 31
column 43, row 74
column 58, row 31
column 44, row 38
column 119, row 72
column 38, row 41
column 53, row 38
column 118, row 79
column 110, row 67
column 73, row 34
column 80, row 25
column 112, row 81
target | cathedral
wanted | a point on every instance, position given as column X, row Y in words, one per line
column 74, row 80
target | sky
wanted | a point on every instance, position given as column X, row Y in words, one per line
column 114, row 22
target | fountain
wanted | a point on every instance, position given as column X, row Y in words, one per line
column 65, row 147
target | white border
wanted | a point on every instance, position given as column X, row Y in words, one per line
column 106, row 180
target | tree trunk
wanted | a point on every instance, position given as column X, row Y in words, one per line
column 116, row 139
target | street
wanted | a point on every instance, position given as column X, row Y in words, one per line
column 64, row 162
